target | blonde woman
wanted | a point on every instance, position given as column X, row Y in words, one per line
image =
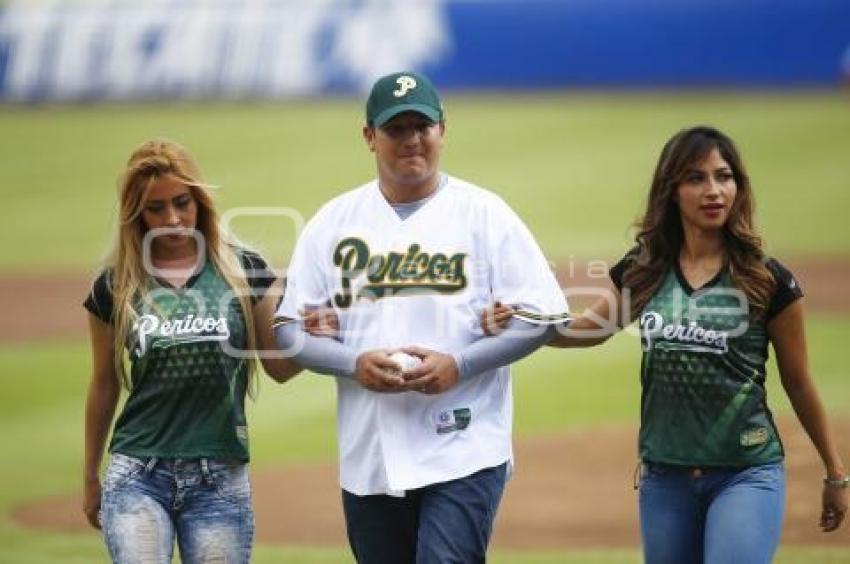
column 185, row 307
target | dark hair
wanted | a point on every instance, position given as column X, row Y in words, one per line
column 660, row 234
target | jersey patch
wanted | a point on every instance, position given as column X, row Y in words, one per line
column 450, row 420
column 753, row 437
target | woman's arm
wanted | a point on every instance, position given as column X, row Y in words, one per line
column 278, row 367
column 102, row 398
column 595, row 326
column 786, row 332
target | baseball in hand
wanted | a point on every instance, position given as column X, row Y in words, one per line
column 405, row 361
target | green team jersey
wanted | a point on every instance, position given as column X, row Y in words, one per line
column 703, row 370
column 189, row 369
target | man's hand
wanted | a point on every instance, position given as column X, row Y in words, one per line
column 437, row 373
column 378, row 373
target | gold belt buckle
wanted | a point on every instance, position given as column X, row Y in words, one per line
column 697, row 472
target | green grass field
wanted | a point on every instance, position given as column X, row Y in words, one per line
column 576, row 167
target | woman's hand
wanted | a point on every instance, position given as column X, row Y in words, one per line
column 786, row 331
column 321, row 322
column 495, row 318
column 835, row 500
column 91, row 502
column 101, row 401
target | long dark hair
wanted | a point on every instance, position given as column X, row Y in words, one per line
column 659, row 231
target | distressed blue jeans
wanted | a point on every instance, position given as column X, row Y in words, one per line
column 204, row 504
column 711, row 516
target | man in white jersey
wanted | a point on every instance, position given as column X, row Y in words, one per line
column 409, row 261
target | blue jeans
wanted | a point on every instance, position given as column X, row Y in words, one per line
column 447, row 522
column 711, row 516
column 204, row 504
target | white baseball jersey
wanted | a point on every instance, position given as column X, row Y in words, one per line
column 419, row 281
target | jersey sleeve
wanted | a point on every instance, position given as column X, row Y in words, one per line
column 305, row 285
column 521, row 275
column 618, row 271
column 99, row 301
column 787, row 289
column 257, row 273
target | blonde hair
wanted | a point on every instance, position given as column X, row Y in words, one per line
column 130, row 282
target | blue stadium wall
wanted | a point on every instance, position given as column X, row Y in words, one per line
column 629, row 43
column 284, row 48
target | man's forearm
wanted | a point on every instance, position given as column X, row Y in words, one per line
column 319, row 354
column 520, row 339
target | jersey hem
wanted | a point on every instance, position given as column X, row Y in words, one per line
column 417, row 484
column 221, row 455
column 713, row 463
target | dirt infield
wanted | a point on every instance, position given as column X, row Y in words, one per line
column 570, row 490
column 48, row 306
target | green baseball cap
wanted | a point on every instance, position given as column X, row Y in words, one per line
column 402, row 92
